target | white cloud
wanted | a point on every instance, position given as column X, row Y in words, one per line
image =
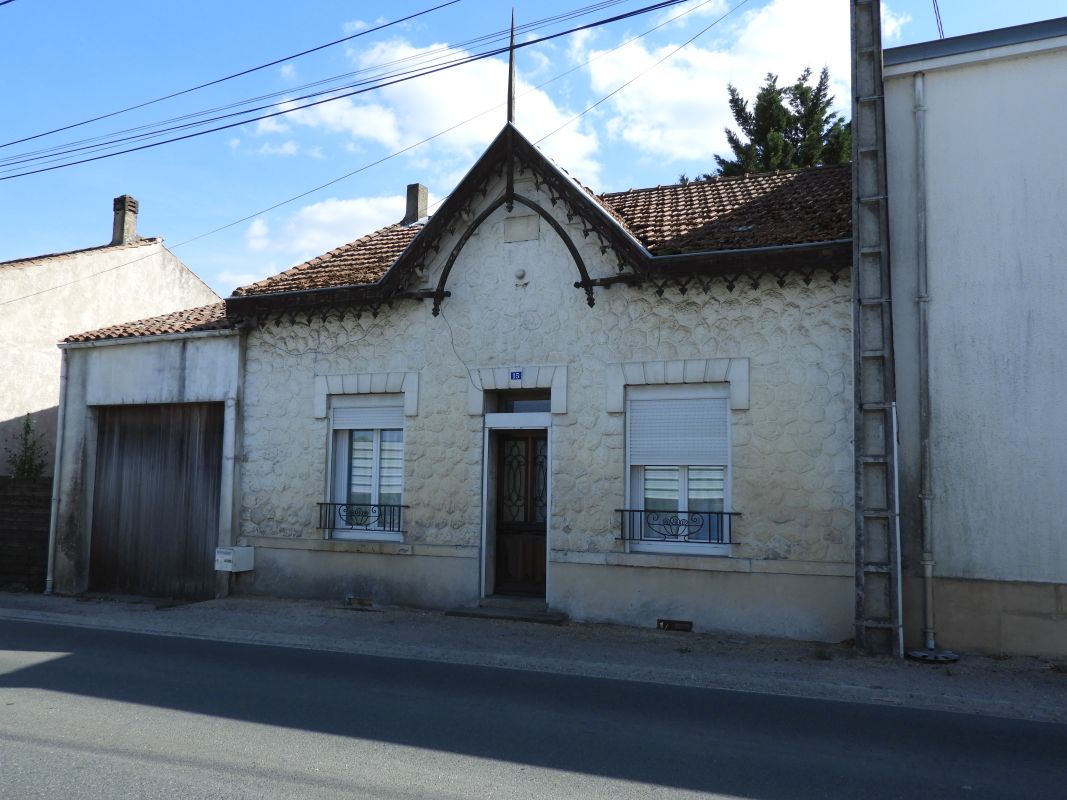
column 679, row 109
column 287, row 71
column 319, row 227
column 235, row 279
column 271, row 125
column 355, row 26
column 892, row 24
column 405, row 113
column 315, row 152
column 287, row 148
column 257, row 235
column 234, row 143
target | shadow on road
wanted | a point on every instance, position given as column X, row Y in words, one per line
column 737, row 744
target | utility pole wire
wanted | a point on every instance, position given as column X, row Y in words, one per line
column 451, row 65
column 424, row 58
column 228, row 77
column 643, row 73
column 937, row 16
column 365, row 167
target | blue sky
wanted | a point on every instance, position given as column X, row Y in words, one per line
column 62, row 61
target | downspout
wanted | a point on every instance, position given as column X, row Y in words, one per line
column 923, row 300
column 56, row 472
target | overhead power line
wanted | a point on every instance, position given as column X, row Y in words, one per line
column 642, row 73
column 403, row 78
column 229, row 77
column 937, row 16
column 144, row 132
column 413, row 146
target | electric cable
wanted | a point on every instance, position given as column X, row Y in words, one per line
column 234, row 75
column 423, row 57
column 642, row 73
column 384, row 158
column 402, row 79
column 937, row 16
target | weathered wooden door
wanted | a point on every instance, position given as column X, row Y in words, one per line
column 156, row 500
column 522, row 513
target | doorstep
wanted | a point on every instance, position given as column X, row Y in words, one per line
column 514, row 609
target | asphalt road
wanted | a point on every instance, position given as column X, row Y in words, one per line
column 89, row 713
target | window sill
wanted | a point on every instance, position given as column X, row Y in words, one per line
column 681, row 549
column 364, row 535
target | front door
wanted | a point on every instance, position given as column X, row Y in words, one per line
column 522, row 513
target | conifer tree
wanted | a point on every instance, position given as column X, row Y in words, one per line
column 786, row 128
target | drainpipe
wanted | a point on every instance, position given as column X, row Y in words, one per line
column 923, row 300
column 54, row 518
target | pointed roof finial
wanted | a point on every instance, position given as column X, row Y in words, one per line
column 511, row 72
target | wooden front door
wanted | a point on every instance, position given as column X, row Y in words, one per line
column 521, row 513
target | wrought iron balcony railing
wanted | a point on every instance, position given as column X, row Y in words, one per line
column 683, row 527
column 361, row 516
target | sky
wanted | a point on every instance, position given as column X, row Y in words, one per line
column 65, row 61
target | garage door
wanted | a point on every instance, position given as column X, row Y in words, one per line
column 156, row 500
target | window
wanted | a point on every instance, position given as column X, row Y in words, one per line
column 367, row 475
column 678, row 445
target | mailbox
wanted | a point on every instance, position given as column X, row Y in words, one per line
column 234, row 559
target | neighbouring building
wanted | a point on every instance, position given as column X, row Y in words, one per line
column 46, row 298
column 631, row 407
column 977, row 196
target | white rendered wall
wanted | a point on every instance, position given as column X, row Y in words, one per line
column 71, row 294
column 997, row 254
column 792, row 461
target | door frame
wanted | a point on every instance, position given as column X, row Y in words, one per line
column 514, row 422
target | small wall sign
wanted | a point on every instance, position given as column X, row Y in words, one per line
column 516, row 374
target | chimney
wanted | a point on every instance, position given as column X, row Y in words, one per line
column 124, row 229
column 417, row 197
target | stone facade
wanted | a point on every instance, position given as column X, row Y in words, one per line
column 513, row 305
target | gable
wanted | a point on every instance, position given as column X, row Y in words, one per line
column 725, row 227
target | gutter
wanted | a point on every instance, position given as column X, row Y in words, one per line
column 53, row 522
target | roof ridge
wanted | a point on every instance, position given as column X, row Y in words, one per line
column 140, row 242
column 723, row 179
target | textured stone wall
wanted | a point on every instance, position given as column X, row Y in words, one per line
column 792, row 464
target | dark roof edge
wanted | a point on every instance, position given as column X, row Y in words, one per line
column 972, row 42
column 140, row 242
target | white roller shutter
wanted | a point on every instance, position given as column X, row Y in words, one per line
column 678, row 432
column 369, row 417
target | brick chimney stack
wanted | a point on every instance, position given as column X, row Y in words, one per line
column 124, row 229
column 418, row 195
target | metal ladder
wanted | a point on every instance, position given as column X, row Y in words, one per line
column 877, row 556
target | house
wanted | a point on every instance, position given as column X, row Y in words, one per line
column 46, row 298
column 630, row 407
column 977, row 196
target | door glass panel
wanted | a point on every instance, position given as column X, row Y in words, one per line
column 661, row 488
column 513, row 484
column 540, row 480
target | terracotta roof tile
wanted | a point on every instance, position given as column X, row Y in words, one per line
column 204, row 318
column 778, row 208
column 360, row 262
